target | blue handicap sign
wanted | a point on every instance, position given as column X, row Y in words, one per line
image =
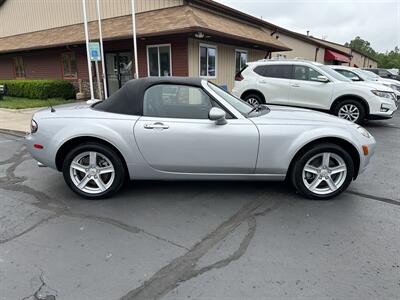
column 94, row 50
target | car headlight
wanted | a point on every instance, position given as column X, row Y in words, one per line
column 363, row 131
column 387, row 95
column 395, row 87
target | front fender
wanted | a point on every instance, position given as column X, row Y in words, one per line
column 278, row 148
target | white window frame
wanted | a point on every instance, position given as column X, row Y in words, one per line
column 241, row 51
column 216, row 60
column 159, row 65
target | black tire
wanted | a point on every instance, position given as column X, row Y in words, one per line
column 253, row 99
column 307, row 154
column 360, row 107
column 110, row 154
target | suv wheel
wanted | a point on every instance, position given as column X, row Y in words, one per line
column 350, row 110
column 93, row 171
column 323, row 171
column 253, row 100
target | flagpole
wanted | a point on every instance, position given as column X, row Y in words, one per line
column 102, row 50
column 134, row 38
column 87, row 49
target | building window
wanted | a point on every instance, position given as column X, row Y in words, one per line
column 208, row 61
column 19, row 67
column 240, row 59
column 69, row 65
column 159, row 60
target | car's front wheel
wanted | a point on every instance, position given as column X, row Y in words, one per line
column 350, row 110
column 323, row 172
column 93, row 171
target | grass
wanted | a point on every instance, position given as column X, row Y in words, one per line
column 18, row 103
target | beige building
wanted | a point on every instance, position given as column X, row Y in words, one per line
column 175, row 37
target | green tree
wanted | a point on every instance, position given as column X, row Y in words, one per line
column 388, row 60
column 361, row 45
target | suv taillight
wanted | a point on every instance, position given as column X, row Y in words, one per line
column 239, row 76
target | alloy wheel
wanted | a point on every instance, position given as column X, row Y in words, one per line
column 324, row 173
column 92, row 172
column 349, row 112
column 253, row 101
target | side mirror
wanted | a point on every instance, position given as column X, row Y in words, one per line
column 355, row 79
column 322, row 78
column 218, row 115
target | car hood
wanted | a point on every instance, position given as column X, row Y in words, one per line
column 375, row 85
column 294, row 115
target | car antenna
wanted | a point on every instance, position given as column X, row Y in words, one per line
column 52, row 109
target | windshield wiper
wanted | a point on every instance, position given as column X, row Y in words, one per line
column 257, row 108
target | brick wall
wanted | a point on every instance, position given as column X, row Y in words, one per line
column 47, row 64
column 6, row 68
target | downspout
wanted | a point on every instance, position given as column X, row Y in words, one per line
column 316, row 53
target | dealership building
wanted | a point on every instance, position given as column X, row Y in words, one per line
column 175, row 37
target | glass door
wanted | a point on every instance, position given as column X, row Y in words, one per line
column 119, row 70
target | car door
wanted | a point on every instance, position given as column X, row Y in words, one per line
column 273, row 82
column 175, row 135
column 306, row 91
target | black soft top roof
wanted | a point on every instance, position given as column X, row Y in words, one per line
column 129, row 99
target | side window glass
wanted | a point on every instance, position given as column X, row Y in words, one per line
column 305, row 73
column 260, row 70
column 279, row 71
column 177, row 101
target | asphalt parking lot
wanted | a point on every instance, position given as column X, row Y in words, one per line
column 199, row 240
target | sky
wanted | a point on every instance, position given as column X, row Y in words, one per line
column 377, row 21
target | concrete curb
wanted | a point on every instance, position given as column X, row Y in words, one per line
column 16, row 133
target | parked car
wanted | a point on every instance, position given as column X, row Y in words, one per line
column 384, row 73
column 312, row 85
column 190, row 129
column 362, row 76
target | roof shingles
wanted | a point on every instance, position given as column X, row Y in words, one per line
column 181, row 19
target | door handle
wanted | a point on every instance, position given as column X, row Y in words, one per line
column 157, row 125
column 295, row 85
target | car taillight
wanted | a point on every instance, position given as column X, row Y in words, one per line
column 34, row 126
column 239, row 77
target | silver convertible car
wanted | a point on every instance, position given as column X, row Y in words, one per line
column 190, row 129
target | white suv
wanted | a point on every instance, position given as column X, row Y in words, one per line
column 362, row 76
column 313, row 85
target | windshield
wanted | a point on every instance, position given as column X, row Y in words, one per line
column 331, row 72
column 238, row 104
column 371, row 74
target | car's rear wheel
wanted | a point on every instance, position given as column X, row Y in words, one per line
column 323, row 172
column 253, row 99
column 93, row 171
column 350, row 110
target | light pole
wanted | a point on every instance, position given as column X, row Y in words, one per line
column 134, row 38
column 87, row 49
column 102, row 50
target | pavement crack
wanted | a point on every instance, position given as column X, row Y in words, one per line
column 183, row 268
column 373, row 197
column 27, row 230
column 11, row 182
column 121, row 225
column 43, row 292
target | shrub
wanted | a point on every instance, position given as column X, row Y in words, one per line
column 39, row 89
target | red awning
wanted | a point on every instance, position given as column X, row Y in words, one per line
column 332, row 55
